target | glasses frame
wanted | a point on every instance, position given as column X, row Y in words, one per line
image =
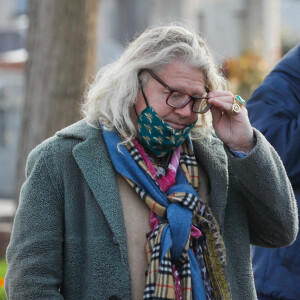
column 189, row 99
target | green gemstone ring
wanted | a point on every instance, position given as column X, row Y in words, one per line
column 240, row 99
column 238, row 102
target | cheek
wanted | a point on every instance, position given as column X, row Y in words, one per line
column 158, row 103
column 162, row 109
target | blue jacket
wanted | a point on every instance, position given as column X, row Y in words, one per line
column 274, row 109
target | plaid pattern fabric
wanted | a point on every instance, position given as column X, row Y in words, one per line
column 214, row 253
column 160, row 282
column 189, row 165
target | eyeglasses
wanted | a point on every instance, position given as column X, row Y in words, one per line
column 178, row 99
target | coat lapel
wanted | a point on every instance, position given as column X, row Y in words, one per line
column 93, row 160
column 211, row 155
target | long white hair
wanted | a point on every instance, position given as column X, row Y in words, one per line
column 112, row 95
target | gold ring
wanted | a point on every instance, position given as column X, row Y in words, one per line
column 238, row 102
column 235, row 108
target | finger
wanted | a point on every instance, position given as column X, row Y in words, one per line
column 223, row 103
column 228, row 99
column 214, row 94
column 216, row 113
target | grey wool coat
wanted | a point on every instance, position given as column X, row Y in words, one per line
column 69, row 236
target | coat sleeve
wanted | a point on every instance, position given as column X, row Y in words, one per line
column 267, row 194
column 34, row 255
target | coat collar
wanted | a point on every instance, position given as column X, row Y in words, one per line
column 93, row 160
column 92, row 155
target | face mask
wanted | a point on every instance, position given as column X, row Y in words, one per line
column 156, row 135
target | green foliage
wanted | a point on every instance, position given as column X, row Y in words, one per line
column 2, row 294
column 3, row 268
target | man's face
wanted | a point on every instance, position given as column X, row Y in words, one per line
column 179, row 76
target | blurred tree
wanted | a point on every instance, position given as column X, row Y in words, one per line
column 245, row 73
column 61, row 44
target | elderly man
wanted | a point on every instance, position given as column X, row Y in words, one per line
column 141, row 199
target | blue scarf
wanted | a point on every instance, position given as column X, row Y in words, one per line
column 176, row 232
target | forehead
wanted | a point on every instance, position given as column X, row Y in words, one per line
column 180, row 75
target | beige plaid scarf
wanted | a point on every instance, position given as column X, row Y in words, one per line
column 160, row 282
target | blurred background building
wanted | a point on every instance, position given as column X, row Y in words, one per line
column 230, row 27
column 247, row 36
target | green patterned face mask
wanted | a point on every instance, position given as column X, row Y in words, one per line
column 156, row 135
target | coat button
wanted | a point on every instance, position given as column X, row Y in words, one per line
column 114, row 297
column 115, row 241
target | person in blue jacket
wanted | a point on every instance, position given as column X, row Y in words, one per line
column 274, row 109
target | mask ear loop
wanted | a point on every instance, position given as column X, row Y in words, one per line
column 144, row 95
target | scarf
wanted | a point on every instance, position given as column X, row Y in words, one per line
column 177, row 209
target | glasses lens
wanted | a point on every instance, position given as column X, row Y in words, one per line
column 177, row 99
column 201, row 106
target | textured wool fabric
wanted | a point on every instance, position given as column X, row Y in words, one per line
column 69, row 231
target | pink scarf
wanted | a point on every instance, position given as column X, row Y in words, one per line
column 165, row 182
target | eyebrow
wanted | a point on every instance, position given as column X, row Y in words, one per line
column 167, row 86
column 179, row 89
column 199, row 93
